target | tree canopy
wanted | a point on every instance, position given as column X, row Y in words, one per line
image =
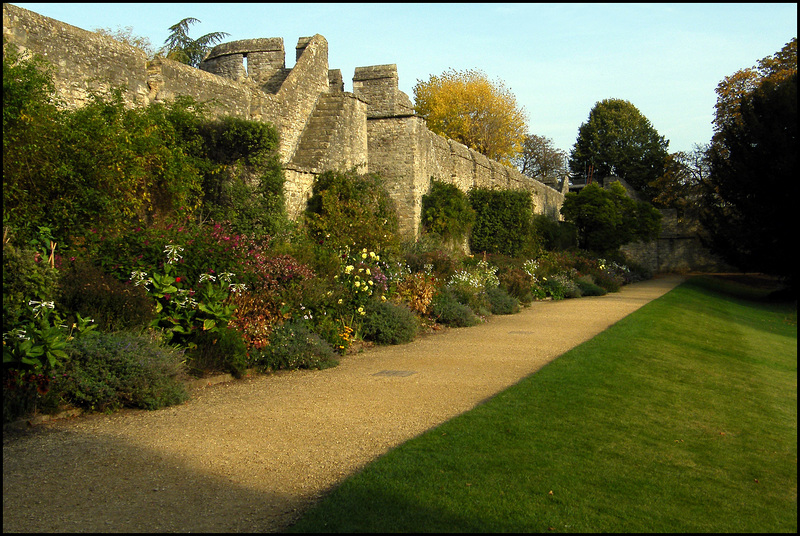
column 752, row 189
column 180, row 47
column 540, row 158
column 734, row 88
column 618, row 140
column 469, row 108
column 607, row 218
column 749, row 196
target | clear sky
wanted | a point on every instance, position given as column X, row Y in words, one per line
column 557, row 59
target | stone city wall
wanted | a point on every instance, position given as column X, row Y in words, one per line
column 320, row 126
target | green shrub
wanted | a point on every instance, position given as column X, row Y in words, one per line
column 294, row 346
column 503, row 220
column 351, row 210
column 517, row 283
column 560, row 286
column 447, row 310
column 609, row 280
column 588, row 288
column 107, row 371
column 431, row 255
column 446, row 211
column 245, row 186
column 114, row 306
column 26, row 276
column 221, row 350
column 555, row 235
column 501, row 302
column 387, row 323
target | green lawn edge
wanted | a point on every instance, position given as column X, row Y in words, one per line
column 682, row 417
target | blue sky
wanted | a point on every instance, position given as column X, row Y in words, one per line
column 557, row 59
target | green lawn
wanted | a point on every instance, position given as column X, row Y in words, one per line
column 682, row 417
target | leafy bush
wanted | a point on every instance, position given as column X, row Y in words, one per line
column 503, row 220
column 114, row 306
column 107, row 371
column 447, row 310
column 560, row 286
column 294, row 346
column 245, row 186
column 446, row 211
column 351, row 210
column 429, row 254
column 387, row 323
column 417, row 290
column 26, row 276
column 222, row 350
column 470, row 285
column 607, row 218
column 555, row 235
column 517, row 283
column 588, row 288
column 501, row 303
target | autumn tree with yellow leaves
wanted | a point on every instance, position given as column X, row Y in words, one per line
column 469, row 108
column 740, row 85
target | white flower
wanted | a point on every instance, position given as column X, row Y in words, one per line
column 237, row 287
column 207, row 277
column 172, row 252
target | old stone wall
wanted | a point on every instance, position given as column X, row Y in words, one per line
column 84, row 61
column 320, row 126
column 678, row 249
column 408, row 155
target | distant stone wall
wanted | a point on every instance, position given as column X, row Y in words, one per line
column 678, row 249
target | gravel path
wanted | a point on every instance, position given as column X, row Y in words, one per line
column 252, row 455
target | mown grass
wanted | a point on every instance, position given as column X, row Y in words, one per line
column 682, row 417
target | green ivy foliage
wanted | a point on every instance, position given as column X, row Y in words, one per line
column 106, row 166
column 607, row 218
column 446, row 211
column 352, row 210
column 244, row 186
column 503, row 222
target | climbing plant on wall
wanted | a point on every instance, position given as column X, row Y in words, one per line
column 503, row 220
column 446, row 211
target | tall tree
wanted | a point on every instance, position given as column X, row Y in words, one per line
column 540, row 158
column 751, row 194
column 467, row 107
column 618, row 140
column 607, row 218
column 680, row 185
column 734, row 88
column 180, row 47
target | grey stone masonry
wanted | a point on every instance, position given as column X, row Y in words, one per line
column 320, row 126
column 377, row 85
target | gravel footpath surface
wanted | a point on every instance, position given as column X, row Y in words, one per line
column 252, row 455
